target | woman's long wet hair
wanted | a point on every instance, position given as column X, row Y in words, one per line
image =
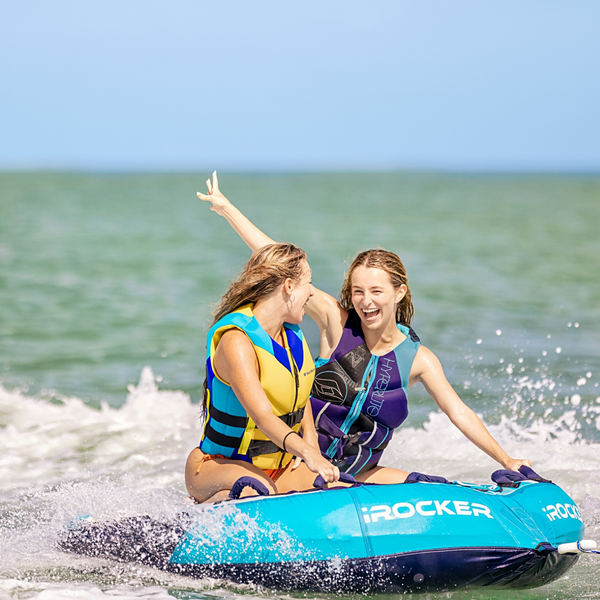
column 392, row 265
column 267, row 269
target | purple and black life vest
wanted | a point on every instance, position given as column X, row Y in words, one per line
column 358, row 399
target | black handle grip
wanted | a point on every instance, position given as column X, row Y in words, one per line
column 319, row 482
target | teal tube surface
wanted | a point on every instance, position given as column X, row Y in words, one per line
column 377, row 521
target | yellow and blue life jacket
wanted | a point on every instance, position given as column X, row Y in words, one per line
column 286, row 376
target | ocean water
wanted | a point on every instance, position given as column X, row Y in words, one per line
column 106, row 286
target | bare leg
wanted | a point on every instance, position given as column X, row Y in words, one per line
column 213, row 480
column 299, row 479
column 382, row 475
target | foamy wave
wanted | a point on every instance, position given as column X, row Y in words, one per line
column 126, row 582
column 44, row 443
column 556, row 452
column 87, row 592
column 61, row 461
column 144, row 443
column 537, row 390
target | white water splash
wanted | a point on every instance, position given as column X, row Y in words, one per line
column 61, row 460
column 44, row 443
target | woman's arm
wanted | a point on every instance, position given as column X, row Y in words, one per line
column 252, row 235
column 309, row 433
column 322, row 308
column 330, row 318
column 428, row 370
column 235, row 362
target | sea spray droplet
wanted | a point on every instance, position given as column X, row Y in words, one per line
column 558, row 349
column 581, row 381
column 575, row 399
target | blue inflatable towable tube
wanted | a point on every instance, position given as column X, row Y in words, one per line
column 422, row 536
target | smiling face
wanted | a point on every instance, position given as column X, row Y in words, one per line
column 374, row 297
column 301, row 291
column 383, row 270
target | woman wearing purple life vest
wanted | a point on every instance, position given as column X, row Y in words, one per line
column 369, row 356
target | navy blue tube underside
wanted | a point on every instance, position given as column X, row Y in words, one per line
column 432, row 570
column 145, row 541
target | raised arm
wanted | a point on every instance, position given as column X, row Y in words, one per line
column 250, row 233
column 428, row 370
column 322, row 308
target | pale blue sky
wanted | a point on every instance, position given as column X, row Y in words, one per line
column 300, row 85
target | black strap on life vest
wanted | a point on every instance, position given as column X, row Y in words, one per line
column 293, row 418
column 259, row 447
column 227, row 419
column 256, row 447
column 215, row 436
column 219, row 438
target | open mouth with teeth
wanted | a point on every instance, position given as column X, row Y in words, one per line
column 370, row 313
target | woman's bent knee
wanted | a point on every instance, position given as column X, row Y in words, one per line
column 382, row 475
column 192, row 473
column 209, row 479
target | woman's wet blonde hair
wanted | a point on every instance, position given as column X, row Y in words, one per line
column 267, row 268
column 392, row 265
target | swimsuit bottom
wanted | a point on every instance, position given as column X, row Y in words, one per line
column 273, row 474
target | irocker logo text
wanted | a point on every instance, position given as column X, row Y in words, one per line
column 426, row 508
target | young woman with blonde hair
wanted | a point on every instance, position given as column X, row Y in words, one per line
column 369, row 356
column 259, row 376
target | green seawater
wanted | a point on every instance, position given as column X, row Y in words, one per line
column 104, row 274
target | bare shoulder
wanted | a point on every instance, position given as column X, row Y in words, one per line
column 235, row 343
column 234, row 353
column 425, row 362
